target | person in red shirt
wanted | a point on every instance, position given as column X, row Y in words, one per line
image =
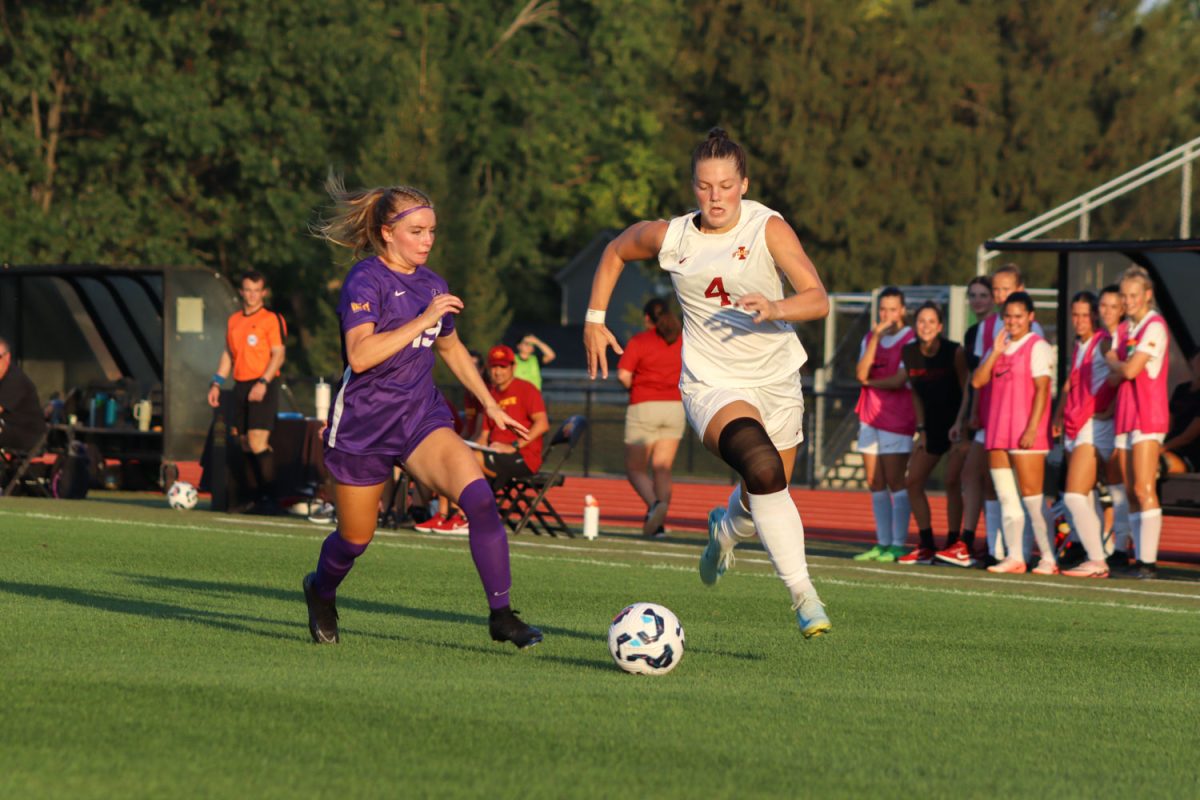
column 511, row 454
column 654, row 422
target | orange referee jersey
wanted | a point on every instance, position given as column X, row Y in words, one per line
column 250, row 338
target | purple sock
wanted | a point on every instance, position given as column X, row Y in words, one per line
column 489, row 541
column 337, row 557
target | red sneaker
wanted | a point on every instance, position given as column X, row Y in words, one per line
column 956, row 554
column 431, row 524
column 922, row 555
column 456, row 525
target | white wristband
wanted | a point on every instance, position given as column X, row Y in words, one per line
column 594, row 315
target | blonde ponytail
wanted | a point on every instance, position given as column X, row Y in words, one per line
column 359, row 215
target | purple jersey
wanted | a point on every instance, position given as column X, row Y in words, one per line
column 379, row 411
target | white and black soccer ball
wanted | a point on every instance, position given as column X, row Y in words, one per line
column 182, row 496
column 646, row 639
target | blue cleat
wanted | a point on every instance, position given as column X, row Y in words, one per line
column 811, row 616
column 713, row 562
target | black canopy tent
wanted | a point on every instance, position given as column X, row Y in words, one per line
column 1173, row 264
column 154, row 331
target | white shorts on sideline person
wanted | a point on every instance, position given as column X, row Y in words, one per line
column 877, row 442
column 1096, row 432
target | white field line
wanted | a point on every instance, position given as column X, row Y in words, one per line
column 588, row 551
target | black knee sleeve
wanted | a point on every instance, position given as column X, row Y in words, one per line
column 745, row 446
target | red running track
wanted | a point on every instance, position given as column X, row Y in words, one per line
column 827, row 513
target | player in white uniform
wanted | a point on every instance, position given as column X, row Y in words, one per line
column 741, row 356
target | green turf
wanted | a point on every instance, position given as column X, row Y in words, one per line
column 150, row 653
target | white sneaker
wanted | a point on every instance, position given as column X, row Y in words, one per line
column 321, row 512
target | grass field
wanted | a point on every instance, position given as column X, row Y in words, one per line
column 151, row 653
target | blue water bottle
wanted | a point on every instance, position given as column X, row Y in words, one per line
column 110, row 412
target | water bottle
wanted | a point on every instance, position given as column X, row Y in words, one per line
column 591, row 518
column 96, row 410
column 322, row 395
column 110, row 412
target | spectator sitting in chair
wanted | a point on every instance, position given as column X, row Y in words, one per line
column 21, row 420
column 1183, row 440
column 515, row 456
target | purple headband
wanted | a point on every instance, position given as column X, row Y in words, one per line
column 404, row 214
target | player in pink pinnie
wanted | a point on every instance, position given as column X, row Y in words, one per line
column 1018, row 369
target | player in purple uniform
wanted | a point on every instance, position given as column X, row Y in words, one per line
column 394, row 313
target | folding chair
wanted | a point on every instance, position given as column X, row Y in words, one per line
column 523, row 501
column 16, row 466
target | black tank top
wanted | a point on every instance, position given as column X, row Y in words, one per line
column 935, row 381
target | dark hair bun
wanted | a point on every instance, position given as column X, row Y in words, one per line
column 718, row 133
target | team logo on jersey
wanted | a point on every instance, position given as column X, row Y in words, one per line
column 742, row 253
column 356, row 307
column 252, row 340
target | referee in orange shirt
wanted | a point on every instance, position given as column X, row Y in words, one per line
column 253, row 353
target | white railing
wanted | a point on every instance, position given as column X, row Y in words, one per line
column 1080, row 208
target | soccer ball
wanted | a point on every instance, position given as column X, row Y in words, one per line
column 182, row 496
column 646, row 639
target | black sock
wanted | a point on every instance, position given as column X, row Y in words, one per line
column 266, row 472
column 252, row 477
column 968, row 538
column 926, row 535
column 951, row 538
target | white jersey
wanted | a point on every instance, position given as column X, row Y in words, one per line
column 722, row 346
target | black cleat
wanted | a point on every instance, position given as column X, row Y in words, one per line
column 506, row 626
column 1147, row 572
column 322, row 614
column 1118, row 560
column 1072, row 556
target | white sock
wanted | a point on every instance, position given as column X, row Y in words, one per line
column 901, row 510
column 1151, row 531
column 1082, row 509
column 881, row 505
column 782, row 533
column 1012, row 512
column 1035, row 512
column 738, row 524
column 1135, row 532
column 1120, row 506
column 993, row 522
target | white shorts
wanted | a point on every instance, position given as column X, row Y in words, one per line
column 1096, row 432
column 876, row 442
column 1125, row 441
column 781, row 406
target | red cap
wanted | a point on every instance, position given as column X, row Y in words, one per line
column 501, row 356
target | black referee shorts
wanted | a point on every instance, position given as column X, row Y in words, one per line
column 246, row 416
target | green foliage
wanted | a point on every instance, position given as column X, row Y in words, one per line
column 894, row 134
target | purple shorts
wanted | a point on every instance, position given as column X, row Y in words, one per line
column 352, row 469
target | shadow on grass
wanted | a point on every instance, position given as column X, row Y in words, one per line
column 142, row 608
column 225, row 589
